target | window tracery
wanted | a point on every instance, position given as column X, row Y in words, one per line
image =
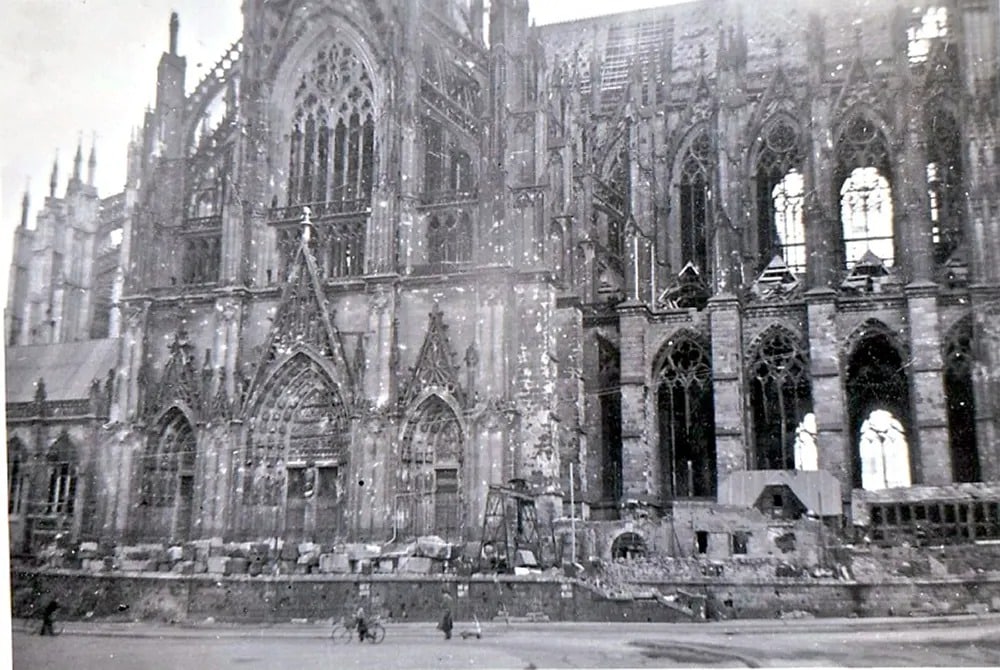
column 695, row 200
column 863, row 176
column 780, row 197
column 449, row 238
column 781, row 397
column 686, row 418
column 331, row 156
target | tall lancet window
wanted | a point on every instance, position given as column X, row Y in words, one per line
column 331, row 157
column 695, row 201
column 780, row 190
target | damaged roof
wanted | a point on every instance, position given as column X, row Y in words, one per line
column 68, row 368
column 817, row 490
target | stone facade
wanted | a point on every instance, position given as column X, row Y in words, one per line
column 382, row 258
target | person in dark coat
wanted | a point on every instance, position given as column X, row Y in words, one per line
column 47, row 615
column 446, row 615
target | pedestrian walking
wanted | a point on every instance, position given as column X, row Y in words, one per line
column 47, row 615
column 447, row 622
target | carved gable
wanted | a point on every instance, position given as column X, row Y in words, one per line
column 435, row 368
column 181, row 381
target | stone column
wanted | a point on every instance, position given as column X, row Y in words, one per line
column 726, row 319
column 829, row 400
column 930, row 460
column 640, row 458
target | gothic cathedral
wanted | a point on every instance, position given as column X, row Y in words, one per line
column 389, row 253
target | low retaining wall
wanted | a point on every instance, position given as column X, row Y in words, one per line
column 194, row 598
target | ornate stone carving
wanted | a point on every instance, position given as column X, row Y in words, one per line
column 435, row 367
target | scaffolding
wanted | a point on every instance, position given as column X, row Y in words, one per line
column 509, row 526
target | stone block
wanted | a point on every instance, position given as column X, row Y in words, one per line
column 416, row 564
column 339, row 563
column 286, row 567
column 255, row 568
column 977, row 608
column 289, row 552
column 308, row 548
column 93, row 565
column 237, row 566
column 136, row 565
column 524, row 558
column 386, row 566
column 201, row 567
column 183, row 568
column 175, row 553
column 87, row 550
column 217, row 564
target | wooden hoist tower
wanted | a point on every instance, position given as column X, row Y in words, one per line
column 509, row 525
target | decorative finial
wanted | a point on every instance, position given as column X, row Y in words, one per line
column 174, row 25
column 25, row 203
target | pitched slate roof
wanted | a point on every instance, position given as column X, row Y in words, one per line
column 68, row 368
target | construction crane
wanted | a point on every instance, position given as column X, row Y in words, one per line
column 509, row 525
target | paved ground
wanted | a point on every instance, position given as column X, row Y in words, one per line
column 941, row 641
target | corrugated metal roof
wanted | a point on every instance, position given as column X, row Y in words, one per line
column 818, row 490
column 68, row 368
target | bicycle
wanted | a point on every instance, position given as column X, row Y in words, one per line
column 345, row 632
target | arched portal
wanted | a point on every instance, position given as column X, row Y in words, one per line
column 686, row 417
column 628, row 546
column 296, row 455
column 876, row 380
column 958, row 391
column 166, row 493
column 780, row 396
column 430, row 486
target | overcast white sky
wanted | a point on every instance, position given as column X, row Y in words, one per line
column 83, row 68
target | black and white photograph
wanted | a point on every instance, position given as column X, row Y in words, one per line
column 508, row 334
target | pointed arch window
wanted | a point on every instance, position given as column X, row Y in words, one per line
column 781, row 397
column 780, row 198
column 332, row 138
column 449, row 238
column 430, row 467
column 687, row 418
column 695, row 203
column 167, row 489
column 297, row 445
column 609, row 378
column 958, row 391
column 864, row 184
column 944, row 181
column 17, row 476
column 876, row 380
column 62, row 470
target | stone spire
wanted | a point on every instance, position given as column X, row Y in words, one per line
column 54, row 177
column 78, row 160
column 25, row 204
column 92, row 161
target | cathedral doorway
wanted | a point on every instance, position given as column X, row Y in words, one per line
column 167, row 489
column 429, row 500
column 686, row 415
column 296, row 450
